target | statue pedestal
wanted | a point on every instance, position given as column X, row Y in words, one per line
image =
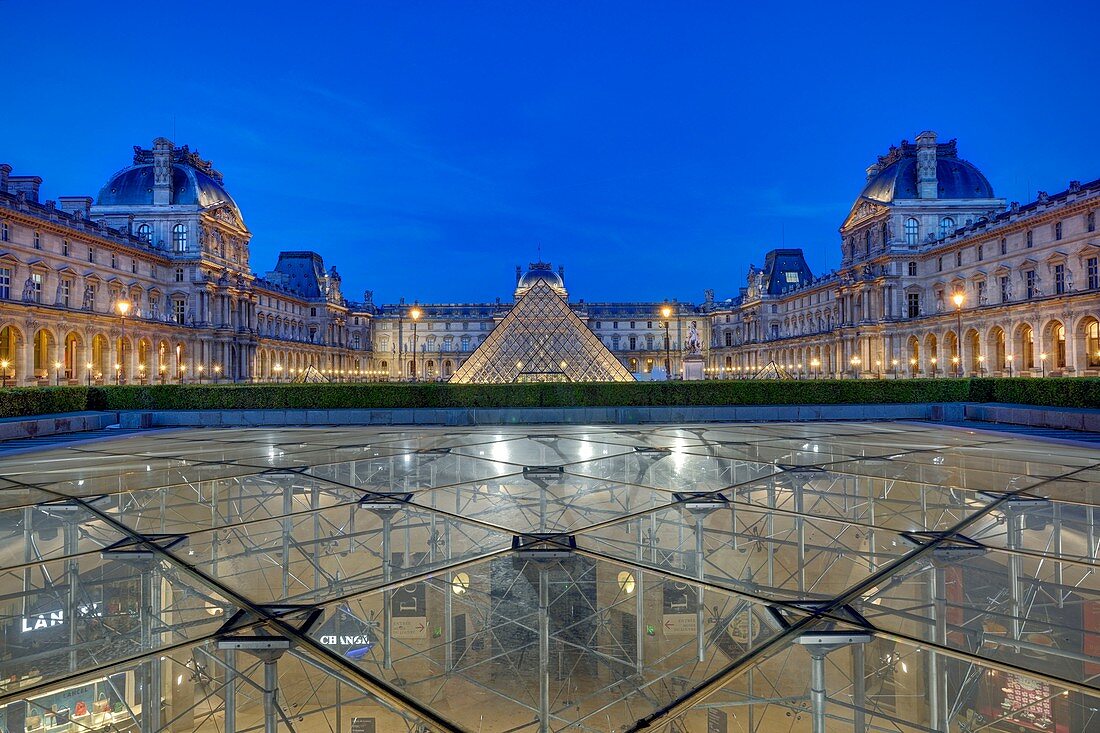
column 693, row 367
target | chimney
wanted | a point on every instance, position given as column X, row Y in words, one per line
column 927, row 185
column 5, row 170
column 76, row 205
column 27, row 185
column 162, row 171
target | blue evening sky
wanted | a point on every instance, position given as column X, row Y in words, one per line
column 654, row 149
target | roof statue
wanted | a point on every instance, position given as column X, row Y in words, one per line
column 541, row 340
column 772, row 371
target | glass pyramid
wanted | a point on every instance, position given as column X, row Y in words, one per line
column 541, row 340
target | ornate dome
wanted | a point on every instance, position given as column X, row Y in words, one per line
column 194, row 182
column 539, row 272
column 895, row 177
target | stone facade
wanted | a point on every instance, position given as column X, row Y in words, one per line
column 165, row 237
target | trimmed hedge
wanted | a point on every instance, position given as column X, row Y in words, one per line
column 397, row 395
column 25, row 401
column 1060, row 392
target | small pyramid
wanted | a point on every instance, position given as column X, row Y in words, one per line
column 541, row 340
column 772, row 371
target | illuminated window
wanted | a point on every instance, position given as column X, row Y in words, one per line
column 144, row 231
column 179, row 238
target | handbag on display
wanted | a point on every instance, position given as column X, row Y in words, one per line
column 62, row 716
column 102, row 705
column 33, row 721
column 81, row 708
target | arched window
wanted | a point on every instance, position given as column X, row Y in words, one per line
column 947, row 225
column 912, row 231
column 1092, row 344
column 1059, row 334
column 145, row 232
column 179, row 238
column 867, row 242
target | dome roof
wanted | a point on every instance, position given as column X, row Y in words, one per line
column 194, row 183
column 895, row 176
column 539, row 272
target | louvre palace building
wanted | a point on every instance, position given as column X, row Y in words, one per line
column 151, row 281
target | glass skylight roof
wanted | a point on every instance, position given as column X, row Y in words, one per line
column 791, row 577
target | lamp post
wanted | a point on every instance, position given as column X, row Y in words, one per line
column 123, row 307
column 894, row 364
column 666, row 313
column 1008, row 363
column 278, row 369
column 981, row 364
column 217, row 372
column 912, row 367
column 1043, row 362
column 814, row 364
column 955, row 363
column 199, row 370
column 118, row 372
column 4, row 367
column 878, row 369
column 57, row 373
column 855, row 362
column 932, row 361
column 415, row 314
column 162, row 370
column 89, row 367
column 958, row 299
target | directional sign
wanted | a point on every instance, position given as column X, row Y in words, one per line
column 676, row 624
column 408, row 616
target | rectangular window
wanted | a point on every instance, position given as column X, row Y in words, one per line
column 1029, row 278
column 153, row 270
column 1060, row 279
column 792, row 277
column 913, row 302
column 1030, row 239
column 981, row 253
column 5, row 282
column 91, row 254
column 912, row 269
column 981, row 292
column 179, row 274
column 5, row 232
column 633, row 343
column 37, row 240
column 133, row 266
column 36, row 285
column 1092, row 265
column 114, row 261
column 1057, row 231
column 1090, row 221
column 1004, row 288
column 729, row 338
column 1004, row 246
column 65, row 247
column 179, row 311
column 66, row 292
column 958, row 258
column 939, row 264
column 615, row 324
column 598, row 324
column 632, row 324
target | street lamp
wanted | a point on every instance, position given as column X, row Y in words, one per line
column 415, row 314
column 955, row 362
column 932, row 361
column 163, row 371
column 118, row 373
column 217, row 372
column 814, row 364
column 278, row 369
column 4, row 366
column 199, row 370
column 855, row 362
column 123, row 307
column 666, row 313
column 894, row 363
column 89, row 366
column 1008, row 363
column 912, row 367
column 878, row 369
column 981, row 364
column 1043, row 362
column 57, row 373
column 958, row 299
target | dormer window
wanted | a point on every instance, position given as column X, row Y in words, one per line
column 145, row 232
